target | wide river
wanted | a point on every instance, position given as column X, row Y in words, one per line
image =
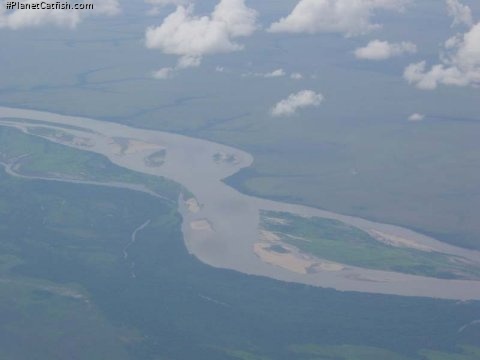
column 224, row 230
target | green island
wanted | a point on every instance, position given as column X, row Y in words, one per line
column 33, row 156
column 336, row 241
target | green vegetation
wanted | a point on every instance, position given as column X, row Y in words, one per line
column 39, row 321
column 467, row 353
column 336, row 241
column 346, row 352
column 37, row 157
column 156, row 159
column 66, row 288
column 224, row 158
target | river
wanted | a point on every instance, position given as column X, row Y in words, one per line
column 223, row 230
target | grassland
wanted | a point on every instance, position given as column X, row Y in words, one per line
column 336, row 241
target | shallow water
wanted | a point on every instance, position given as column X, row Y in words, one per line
column 234, row 217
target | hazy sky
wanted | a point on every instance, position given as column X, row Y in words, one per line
column 321, row 43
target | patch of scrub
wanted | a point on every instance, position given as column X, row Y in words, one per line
column 225, row 158
column 156, row 159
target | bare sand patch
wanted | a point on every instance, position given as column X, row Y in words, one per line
column 398, row 241
column 192, row 205
column 297, row 238
column 124, row 146
column 202, row 224
column 290, row 258
column 287, row 261
column 327, row 266
column 268, row 236
column 135, row 146
column 116, row 148
column 274, row 220
column 60, row 136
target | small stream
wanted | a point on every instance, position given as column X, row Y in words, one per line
column 132, row 241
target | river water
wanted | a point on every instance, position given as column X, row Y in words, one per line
column 234, row 217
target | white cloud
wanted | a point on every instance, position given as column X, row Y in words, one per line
column 188, row 61
column 382, row 50
column 302, row 99
column 106, row 7
column 275, row 73
column 460, row 66
column 416, row 117
column 163, row 73
column 349, row 17
column 183, row 62
column 272, row 74
column 191, row 37
column 166, row 2
column 25, row 18
column 157, row 5
column 462, row 14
